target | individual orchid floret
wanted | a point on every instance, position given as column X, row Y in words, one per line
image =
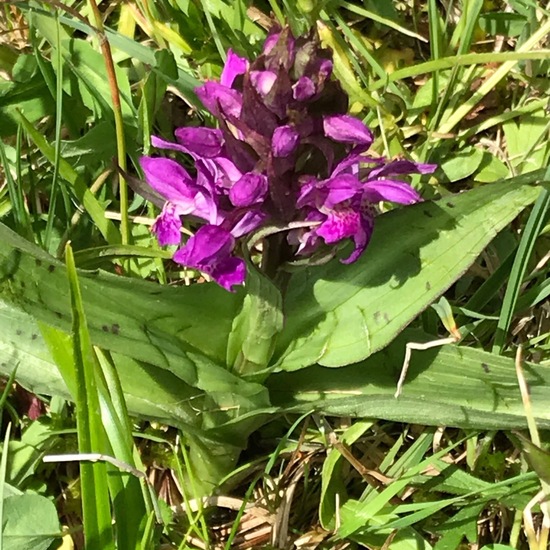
column 285, row 155
column 209, row 250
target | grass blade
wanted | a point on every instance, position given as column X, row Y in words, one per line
column 532, row 230
column 96, row 507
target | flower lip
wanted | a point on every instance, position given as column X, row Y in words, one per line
column 209, row 250
column 167, row 226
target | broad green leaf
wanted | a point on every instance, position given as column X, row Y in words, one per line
column 526, row 145
column 451, row 386
column 252, row 339
column 502, row 23
column 491, row 169
column 180, row 330
column 30, row 521
column 168, row 346
column 339, row 314
column 31, row 97
column 463, row 164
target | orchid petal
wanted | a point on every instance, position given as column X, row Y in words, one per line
column 347, row 129
column 402, row 166
column 263, row 81
column 389, row 190
column 168, row 178
column 250, row 189
column 248, row 222
column 340, row 189
column 285, row 140
column 270, row 42
column 209, row 251
column 160, row 143
column 234, row 67
column 200, row 142
column 167, row 226
column 214, row 97
column 352, row 162
column 304, row 89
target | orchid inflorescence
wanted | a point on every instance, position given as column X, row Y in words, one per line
column 285, row 154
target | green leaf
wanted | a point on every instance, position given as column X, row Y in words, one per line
column 32, row 97
column 538, row 458
column 463, row 164
column 332, row 482
column 30, row 521
column 502, row 23
column 451, row 386
column 88, row 66
column 168, row 345
column 96, row 508
column 462, row 524
column 339, row 314
column 491, row 169
column 252, row 338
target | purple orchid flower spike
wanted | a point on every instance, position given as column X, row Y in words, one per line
column 285, row 153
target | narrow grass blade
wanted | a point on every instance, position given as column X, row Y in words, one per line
column 96, row 506
column 3, row 469
column 532, row 230
column 81, row 191
column 492, row 81
column 54, row 191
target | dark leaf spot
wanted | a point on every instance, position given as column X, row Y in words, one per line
column 38, row 262
column 105, row 328
column 58, row 314
column 450, row 204
column 428, row 213
column 115, row 329
column 19, row 332
column 485, row 367
column 51, row 268
column 386, row 318
column 34, row 336
column 428, row 286
column 377, row 316
column 23, row 284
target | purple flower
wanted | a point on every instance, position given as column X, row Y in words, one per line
column 286, row 153
column 285, row 140
column 234, row 66
column 209, row 250
column 347, row 129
